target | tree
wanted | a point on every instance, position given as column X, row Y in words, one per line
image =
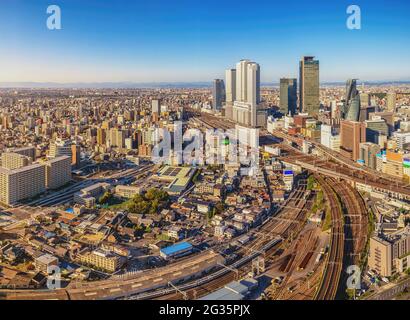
column 105, row 198
column 149, row 203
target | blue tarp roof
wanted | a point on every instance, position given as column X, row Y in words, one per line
column 176, row 248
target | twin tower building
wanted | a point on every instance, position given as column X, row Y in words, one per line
column 242, row 92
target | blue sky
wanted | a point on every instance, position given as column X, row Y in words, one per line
column 192, row 40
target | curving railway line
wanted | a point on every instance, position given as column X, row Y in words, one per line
column 334, row 263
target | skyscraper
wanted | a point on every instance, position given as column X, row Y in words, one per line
column 247, row 93
column 230, row 85
column 309, row 85
column 241, row 79
column 351, row 109
column 288, row 96
column 230, row 91
column 218, row 94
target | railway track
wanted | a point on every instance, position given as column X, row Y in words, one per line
column 334, row 263
column 272, row 228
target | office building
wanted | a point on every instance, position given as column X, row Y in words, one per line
column 364, row 100
column 376, row 128
column 230, row 83
column 368, row 153
column 390, row 254
column 309, row 86
column 247, row 94
column 351, row 110
column 218, row 94
column 230, row 91
column 352, row 133
column 325, row 135
column 288, row 96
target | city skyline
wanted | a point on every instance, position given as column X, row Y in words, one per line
column 185, row 42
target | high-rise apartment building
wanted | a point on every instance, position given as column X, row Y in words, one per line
column 21, row 183
column 58, row 172
column 60, row 148
column 101, row 136
column 156, row 106
column 11, row 160
column 288, row 96
column 218, row 94
column 391, row 101
column 25, row 151
column 309, row 85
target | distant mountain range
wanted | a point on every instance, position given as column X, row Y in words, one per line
column 156, row 85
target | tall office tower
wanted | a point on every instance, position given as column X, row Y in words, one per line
column 391, row 101
column 375, row 128
column 11, row 160
column 368, row 152
column 58, row 172
column 230, row 91
column 230, row 85
column 288, row 96
column 247, row 93
column 364, row 100
column 60, row 148
column 351, row 109
column 352, row 133
column 218, row 94
column 21, row 183
column 309, row 86
column 156, row 106
column 241, row 80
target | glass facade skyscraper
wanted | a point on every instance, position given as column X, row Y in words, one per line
column 218, row 94
column 351, row 108
column 309, row 85
column 288, row 96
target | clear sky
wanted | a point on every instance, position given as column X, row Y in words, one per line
column 193, row 40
